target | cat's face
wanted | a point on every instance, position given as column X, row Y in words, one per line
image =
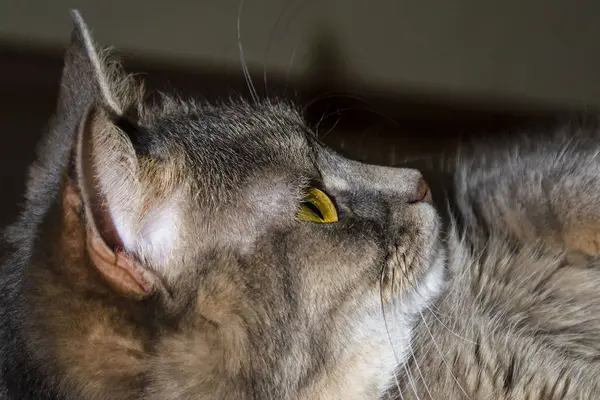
column 196, row 217
column 280, row 290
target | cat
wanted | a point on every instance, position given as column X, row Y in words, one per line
column 177, row 249
column 521, row 316
column 173, row 249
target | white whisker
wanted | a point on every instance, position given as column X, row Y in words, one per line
column 388, row 332
column 245, row 70
column 431, row 309
column 440, row 352
column 271, row 36
column 289, row 68
column 411, row 379
column 412, row 353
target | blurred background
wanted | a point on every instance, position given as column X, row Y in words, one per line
column 384, row 81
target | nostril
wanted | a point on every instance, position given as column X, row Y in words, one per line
column 421, row 193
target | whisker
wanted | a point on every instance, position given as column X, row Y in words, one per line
column 447, row 328
column 318, row 125
column 412, row 353
column 245, row 70
column 420, row 372
column 337, row 121
column 388, row 330
column 289, row 69
column 271, row 36
column 431, row 307
column 442, row 356
column 412, row 284
column 414, row 356
column 411, row 379
column 366, row 106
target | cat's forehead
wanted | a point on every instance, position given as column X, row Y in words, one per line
column 227, row 150
column 233, row 132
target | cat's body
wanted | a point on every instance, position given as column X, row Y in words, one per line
column 161, row 255
column 521, row 319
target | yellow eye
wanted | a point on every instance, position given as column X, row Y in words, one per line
column 317, row 207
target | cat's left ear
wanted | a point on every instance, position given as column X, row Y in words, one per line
column 125, row 222
column 90, row 76
column 107, row 180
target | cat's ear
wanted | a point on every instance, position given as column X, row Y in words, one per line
column 130, row 230
column 107, row 180
column 131, row 212
column 132, row 224
column 91, row 77
column 88, row 62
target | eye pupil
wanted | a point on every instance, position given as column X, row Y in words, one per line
column 313, row 208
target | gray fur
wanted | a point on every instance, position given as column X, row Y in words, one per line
column 248, row 302
column 521, row 319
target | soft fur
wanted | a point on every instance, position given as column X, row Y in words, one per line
column 521, row 319
column 228, row 295
column 159, row 255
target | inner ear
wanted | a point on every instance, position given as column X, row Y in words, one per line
column 129, row 126
column 104, row 161
column 96, row 202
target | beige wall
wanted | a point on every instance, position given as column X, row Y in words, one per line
column 527, row 49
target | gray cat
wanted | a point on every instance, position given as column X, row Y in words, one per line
column 184, row 250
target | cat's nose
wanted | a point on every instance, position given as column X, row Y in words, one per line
column 420, row 193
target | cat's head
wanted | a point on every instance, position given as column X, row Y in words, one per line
column 220, row 250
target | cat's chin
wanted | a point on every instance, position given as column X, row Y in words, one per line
column 386, row 334
column 432, row 283
column 415, row 264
